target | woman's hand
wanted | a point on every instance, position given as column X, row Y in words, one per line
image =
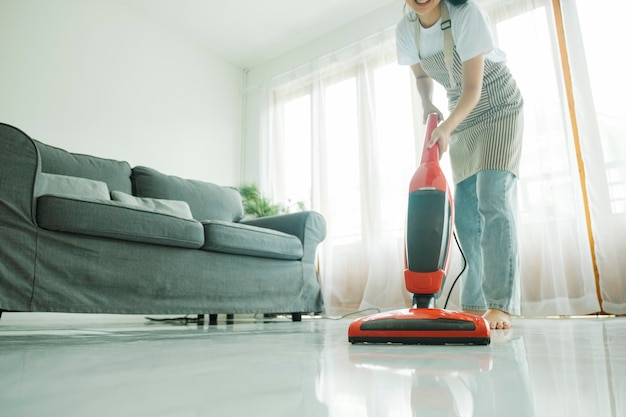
column 431, row 108
column 440, row 136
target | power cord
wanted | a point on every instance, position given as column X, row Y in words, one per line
column 187, row 320
column 456, row 239
column 352, row 313
column 184, row 320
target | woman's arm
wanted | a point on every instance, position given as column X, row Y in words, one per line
column 425, row 89
column 473, row 70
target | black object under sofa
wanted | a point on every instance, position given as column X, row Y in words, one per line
column 83, row 234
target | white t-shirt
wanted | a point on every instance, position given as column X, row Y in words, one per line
column 470, row 31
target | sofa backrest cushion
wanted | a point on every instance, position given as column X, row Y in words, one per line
column 77, row 187
column 116, row 174
column 207, row 201
column 171, row 207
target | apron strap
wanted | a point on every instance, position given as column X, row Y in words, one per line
column 448, row 42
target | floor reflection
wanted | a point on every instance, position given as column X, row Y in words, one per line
column 438, row 381
column 455, row 381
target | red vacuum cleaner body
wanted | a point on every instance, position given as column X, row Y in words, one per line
column 429, row 235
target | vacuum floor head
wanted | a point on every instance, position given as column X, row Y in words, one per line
column 421, row 326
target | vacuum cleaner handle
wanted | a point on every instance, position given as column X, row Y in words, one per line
column 430, row 154
column 429, row 223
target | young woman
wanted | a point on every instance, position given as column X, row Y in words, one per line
column 449, row 41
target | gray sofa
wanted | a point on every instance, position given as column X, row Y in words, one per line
column 83, row 234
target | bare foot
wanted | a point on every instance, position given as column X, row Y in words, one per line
column 475, row 312
column 498, row 319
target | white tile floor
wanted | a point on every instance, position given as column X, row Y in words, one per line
column 101, row 366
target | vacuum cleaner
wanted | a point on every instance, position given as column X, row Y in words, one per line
column 429, row 235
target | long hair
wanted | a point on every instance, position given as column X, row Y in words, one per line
column 413, row 16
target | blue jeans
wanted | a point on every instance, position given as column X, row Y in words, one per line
column 485, row 207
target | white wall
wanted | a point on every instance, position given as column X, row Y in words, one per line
column 95, row 77
column 259, row 77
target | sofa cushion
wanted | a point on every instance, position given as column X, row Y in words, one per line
column 172, row 207
column 65, row 185
column 112, row 219
column 116, row 174
column 239, row 239
column 207, row 201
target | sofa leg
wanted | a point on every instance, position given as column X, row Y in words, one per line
column 212, row 319
column 230, row 318
column 296, row 316
column 200, row 319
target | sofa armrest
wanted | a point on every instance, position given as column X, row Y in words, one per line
column 308, row 226
column 19, row 167
column 18, row 231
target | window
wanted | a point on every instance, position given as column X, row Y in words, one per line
column 366, row 153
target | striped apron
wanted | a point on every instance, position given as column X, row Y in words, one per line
column 490, row 137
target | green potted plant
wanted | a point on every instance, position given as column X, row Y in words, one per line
column 256, row 204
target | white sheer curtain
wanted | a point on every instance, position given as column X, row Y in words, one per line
column 599, row 91
column 340, row 143
column 574, row 163
column 557, row 269
column 345, row 137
